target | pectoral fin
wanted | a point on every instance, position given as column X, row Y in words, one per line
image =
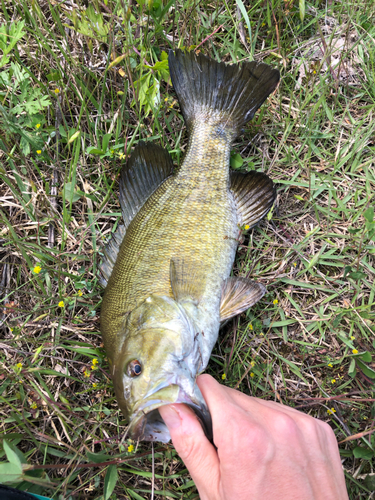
column 254, row 193
column 237, row 295
column 183, row 281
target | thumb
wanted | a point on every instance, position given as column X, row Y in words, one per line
column 194, row 448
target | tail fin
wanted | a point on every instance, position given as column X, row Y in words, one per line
column 214, row 92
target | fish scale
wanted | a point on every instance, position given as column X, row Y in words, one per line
column 182, row 206
column 167, row 270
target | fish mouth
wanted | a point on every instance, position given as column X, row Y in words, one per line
column 147, row 423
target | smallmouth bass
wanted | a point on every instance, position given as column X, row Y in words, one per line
column 167, row 268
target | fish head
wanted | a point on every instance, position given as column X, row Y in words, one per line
column 157, row 365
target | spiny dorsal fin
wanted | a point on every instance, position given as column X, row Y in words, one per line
column 148, row 166
column 110, row 252
column 237, row 295
column 254, row 193
column 228, row 94
column 184, row 281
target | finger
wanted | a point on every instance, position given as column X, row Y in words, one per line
column 194, row 448
column 213, row 393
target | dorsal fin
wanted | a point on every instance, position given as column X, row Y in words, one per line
column 148, row 166
column 237, row 295
column 254, row 193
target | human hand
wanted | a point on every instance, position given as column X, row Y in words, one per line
column 265, row 451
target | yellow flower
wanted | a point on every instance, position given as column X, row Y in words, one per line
column 95, row 385
column 355, row 351
column 86, row 373
column 352, row 337
column 95, row 361
column 57, row 91
column 38, row 151
column 121, row 156
column 295, row 264
column 331, row 411
column 61, row 303
column 79, row 293
column 247, row 227
column 250, row 327
column 252, row 363
column 37, row 269
column 19, row 365
column 34, row 406
column 130, row 448
column 251, row 374
column 224, row 376
column 275, row 301
column 314, row 72
column 330, row 365
column 37, row 125
column 333, row 381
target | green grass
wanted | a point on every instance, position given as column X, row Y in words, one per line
column 308, row 343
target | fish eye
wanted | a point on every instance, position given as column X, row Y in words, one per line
column 134, row 368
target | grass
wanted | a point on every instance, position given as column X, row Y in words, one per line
column 81, row 108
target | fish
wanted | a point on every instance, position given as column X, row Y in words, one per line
column 167, row 268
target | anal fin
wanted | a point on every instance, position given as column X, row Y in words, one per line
column 254, row 193
column 237, row 295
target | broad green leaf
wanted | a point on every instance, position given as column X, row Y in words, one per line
column 70, row 193
column 94, row 151
column 98, row 457
column 357, row 275
column 110, row 481
column 366, row 356
column 362, row 452
column 54, row 76
column 11, row 455
column 10, row 473
column 105, row 141
column 236, row 161
column 366, row 369
column 352, row 369
column 369, row 214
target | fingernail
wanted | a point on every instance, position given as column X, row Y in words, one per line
column 170, row 416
